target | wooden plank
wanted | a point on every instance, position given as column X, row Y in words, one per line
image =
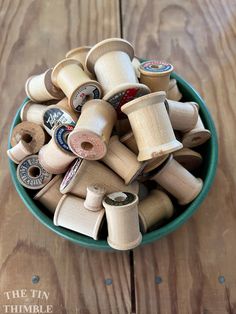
column 35, row 35
column 198, row 37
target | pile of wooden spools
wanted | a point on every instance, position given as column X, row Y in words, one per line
column 95, row 130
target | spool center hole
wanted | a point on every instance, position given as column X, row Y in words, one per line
column 155, row 66
column 34, row 171
column 86, row 146
column 87, row 98
column 26, row 137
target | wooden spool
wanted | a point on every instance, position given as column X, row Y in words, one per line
column 39, row 88
column 188, row 158
column 136, row 64
column 33, row 112
column 50, row 195
column 155, row 74
column 80, row 54
column 31, row 133
column 19, row 152
column 94, row 197
column 197, row 136
column 183, row 116
column 122, row 160
column 173, row 91
column 110, row 60
column 69, row 75
column 151, row 126
column 83, row 173
column 93, row 129
column 64, row 104
column 156, row 207
column 122, row 126
column 56, row 156
column 178, row 181
column 55, row 115
column 71, row 214
column 31, row 174
column 122, row 220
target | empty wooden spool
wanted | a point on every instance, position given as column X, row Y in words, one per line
column 31, row 133
column 197, row 136
column 173, row 91
column 71, row 214
column 188, row 158
column 50, row 195
column 110, row 60
column 39, row 88
column 93, row 129
column 151, row 126
column 94, row 197
column 19, row 152
column 31, row 174
column 178, row 181
column 69, row 75
column 56, row 156
column 122, row 220
column 155, row 74
column 156, row 207
column 183, row 116
column 80, row 54
column 55, row 115
column 122, row 160
column 33, row 112
column 83, row 173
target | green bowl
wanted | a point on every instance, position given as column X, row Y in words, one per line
column 210, row 155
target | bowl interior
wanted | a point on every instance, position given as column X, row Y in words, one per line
column 209, row 152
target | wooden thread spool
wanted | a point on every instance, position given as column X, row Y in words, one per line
column 39, row 88
column 19, row 152
column 136, row 64
column 31, row 174
column 110, row 60
column 122, row 160
column 56, row 156
column 94, row 197
column 173, row 91
column 156, row 207
column 71, row 214
column 122, row 220
column 93, row 129
column 129, row 141
column 80, row 54
column 64, row 104
column 50, row 195
column 151, row 126
column 33, row 112
column 188, row 158
column 155, row 74
column 178, row 181
column 83, row 173
column 183, row 116
column 197, row 136
column 55, row 115
column 31, row 133
column 122, row 126
column 69, row 75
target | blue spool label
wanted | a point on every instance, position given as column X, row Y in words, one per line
column 61, row 134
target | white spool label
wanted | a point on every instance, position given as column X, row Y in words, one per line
column 83, row 94
column 54, row 117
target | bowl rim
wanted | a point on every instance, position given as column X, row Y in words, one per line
column 153, row 235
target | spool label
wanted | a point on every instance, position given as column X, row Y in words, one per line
column 29, row 181
column 70, row 174
column 83, row 94
column 121, row 98
column 156, row 66
column 54, row 117
column 61, row 134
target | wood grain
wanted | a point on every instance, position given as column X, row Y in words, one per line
column 198, row 37
column 33, row 36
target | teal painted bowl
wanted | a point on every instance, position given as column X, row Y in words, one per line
column 207, row 172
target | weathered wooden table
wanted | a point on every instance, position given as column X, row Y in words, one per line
column 193, row 269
